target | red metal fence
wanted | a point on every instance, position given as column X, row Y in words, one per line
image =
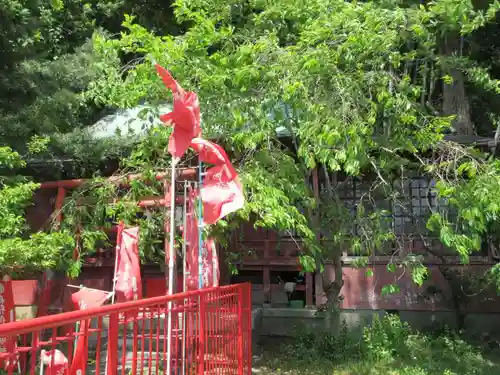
column 211, row 334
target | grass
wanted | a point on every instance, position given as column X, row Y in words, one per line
column 389, row 347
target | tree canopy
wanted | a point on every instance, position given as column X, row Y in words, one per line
column 369, row 90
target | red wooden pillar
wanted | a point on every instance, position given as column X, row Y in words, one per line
column 48, row 276
column 60, row 197
column 267, row 273
column 267, row 284
column 309, row 289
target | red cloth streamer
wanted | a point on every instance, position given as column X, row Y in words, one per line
column 185, row 117
column 211, row 265
column 212, row 153
column 7, row 345
column 82, row 300
column 210, row 259
column 128, row 283
column 85, row 298
column 54, row 361
column 220, row 194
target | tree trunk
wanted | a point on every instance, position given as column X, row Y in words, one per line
column 332, row 288
column 333, row 298
column 455, row 101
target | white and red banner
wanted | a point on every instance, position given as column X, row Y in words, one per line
column 7, row 315
column 54, row 362
column 128, row 274
column 84, row 299
column 212, row 275
column 185, row 118
column 210, row 261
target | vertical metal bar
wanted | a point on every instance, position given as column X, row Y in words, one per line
column 112, row 359
column 157, row 350
column 124, row 342
column 143, row 337
column 200, row 226
column 201, row 334
column 135, row 342
column 184, row 280
column 171, row 265
column 86, row 345
column 34, row 348
column 53, row 347
column 240, row 300
column 150, row 355
column 248, row 294
column 117, row 247
column 164, row 340
column 98, row 350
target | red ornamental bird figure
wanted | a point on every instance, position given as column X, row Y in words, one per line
column 185, row 117
column 169, row 82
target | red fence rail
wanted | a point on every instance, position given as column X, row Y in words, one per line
column 211, row 334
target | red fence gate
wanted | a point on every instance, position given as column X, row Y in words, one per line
column 211, row 334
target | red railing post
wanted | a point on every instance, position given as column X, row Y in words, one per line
column 248, row 295
column 214, row 343
column 113, row 333
column 240, row 302
column 201, row 334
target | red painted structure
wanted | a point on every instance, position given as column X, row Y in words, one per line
column 269, row 254
column 97, row 272
column 266, row 254
column 212, row 335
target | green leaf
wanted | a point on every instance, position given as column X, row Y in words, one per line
column 390, row 289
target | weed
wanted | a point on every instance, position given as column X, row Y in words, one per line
column 388, row 347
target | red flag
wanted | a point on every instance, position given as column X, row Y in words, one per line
column 212, row 153
column 85, row 298
column 128, row 277
column 185, row 117
column 210, row 260
column 55, row 362
column 191, row 236
column 220, row 194
column 7, row 315
column 82, row 300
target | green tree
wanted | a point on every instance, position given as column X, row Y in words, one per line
column 20, row 250
column 352, row 86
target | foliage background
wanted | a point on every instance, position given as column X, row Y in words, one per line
column 359, row 89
